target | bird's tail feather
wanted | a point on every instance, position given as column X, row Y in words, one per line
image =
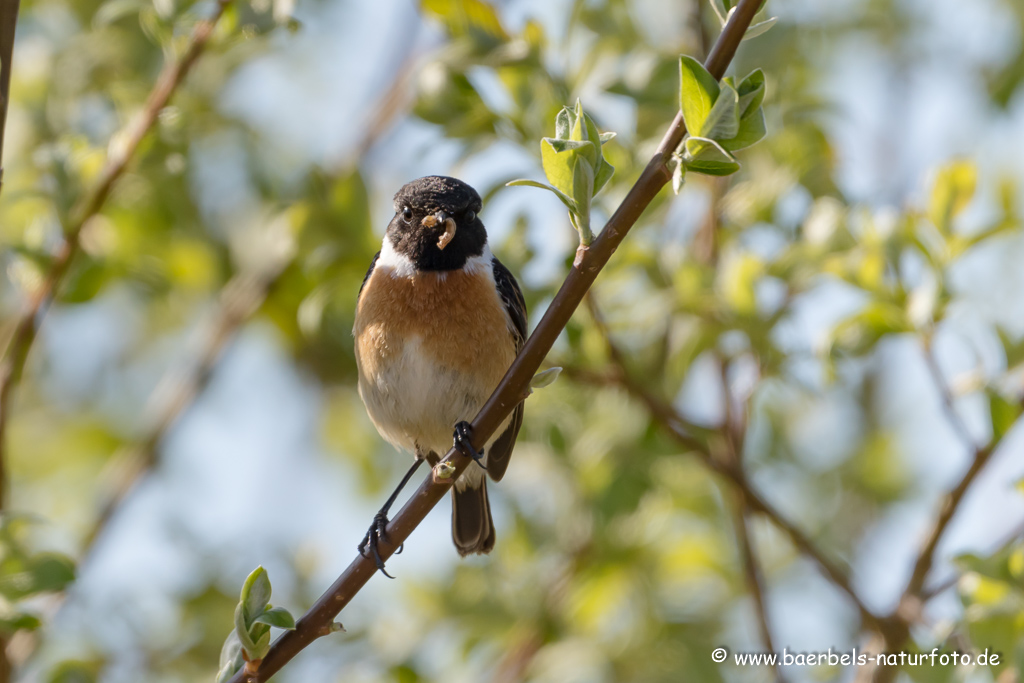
column 472, row 528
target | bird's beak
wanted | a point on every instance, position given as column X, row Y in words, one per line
column 441, row 218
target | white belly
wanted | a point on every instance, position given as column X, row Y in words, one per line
column 415, row 402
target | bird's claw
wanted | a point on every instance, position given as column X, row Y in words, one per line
column 464, row 442
column 377, row 531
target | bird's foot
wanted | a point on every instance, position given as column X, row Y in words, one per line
column 377, row 531
column 464, row 442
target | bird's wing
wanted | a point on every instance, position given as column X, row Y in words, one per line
column 515, row 306
column 366, row 278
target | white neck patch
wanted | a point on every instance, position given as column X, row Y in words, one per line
column 480, row 263
column 401, row 265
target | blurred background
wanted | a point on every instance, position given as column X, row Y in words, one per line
column 845, row 316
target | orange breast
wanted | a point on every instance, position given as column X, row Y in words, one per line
column 458, row 318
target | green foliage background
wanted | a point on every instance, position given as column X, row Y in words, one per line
column 808, row 302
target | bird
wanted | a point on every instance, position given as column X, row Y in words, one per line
column 439, row 319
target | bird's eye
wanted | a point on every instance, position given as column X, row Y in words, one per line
column 470, row 215
column 407, row 214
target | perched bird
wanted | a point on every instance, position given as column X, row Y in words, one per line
column 438, row 321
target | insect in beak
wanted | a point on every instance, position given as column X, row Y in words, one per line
column 441, row 218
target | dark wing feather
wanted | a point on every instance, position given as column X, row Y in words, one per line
column 366, row 278
column 515, row 306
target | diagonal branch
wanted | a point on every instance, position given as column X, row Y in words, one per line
column 123, row 149
column 514, row 388
column 951, row 503
column 734, row 430
column 754, row 576
column 665, row 415
column 946, row 397
column 1015, row 534
column 240, row 298
column 8, row 21
column 908, row 610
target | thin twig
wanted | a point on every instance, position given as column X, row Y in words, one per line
column 240, row 298
column 734, row 430
column 941, row 587
column 753, row 575
column 909, row 608
column 675, row 424
column 947, row 400
column 951, row 503
column 514, row 387
column 123, row 148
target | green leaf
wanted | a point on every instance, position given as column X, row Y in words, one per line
column 723, row 121
column 255, row 594
column 558, row 159
column 569, row 204
column 75, row 671
column 604, row 174
column 466, row 17
column 751, row 93
column 230, row 658
column 242, row 631
column 278, row 617
column 562, row 146
column 605, row 137
column 707, row 157
column 583, row 188
column 953, row 190
column 1003, row 414
column 752, row 130
column 698, row 92
column 678, row 176
column 545, row 378
column 760, row 27
column 19, row 621
column 262, row 647
column 858, row 334
column 563, row 123
column 720, row 9
column 585, row 130
column 577, row 132
column 1013, row 349
column 40, row 573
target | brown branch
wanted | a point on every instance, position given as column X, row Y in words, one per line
column 514, row 387
column 947, row 511
column 240, row 298
column 676, row 426
column 753, row 575
column 951, row 503
column 1015, row 534
column 908, row 610
column 126, row 144
column 8, row 22
column 946, row 397
column 734, row 430
column 728, row 466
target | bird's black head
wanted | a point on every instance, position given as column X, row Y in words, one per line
column 436, row 224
